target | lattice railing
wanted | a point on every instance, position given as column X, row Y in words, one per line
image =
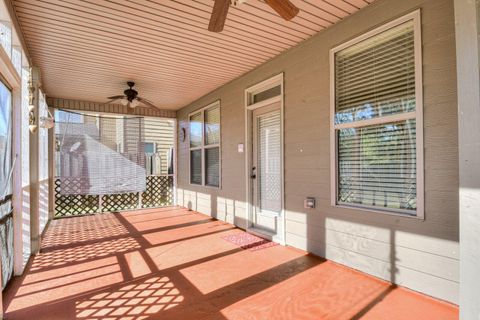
column 73, row 205
column 158, row 193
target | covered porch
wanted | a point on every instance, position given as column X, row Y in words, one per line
column 239, row 159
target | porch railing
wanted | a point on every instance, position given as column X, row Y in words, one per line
column 159, row 193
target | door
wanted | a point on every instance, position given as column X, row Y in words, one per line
column 266, row 175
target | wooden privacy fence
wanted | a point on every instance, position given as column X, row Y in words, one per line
column 159, row 193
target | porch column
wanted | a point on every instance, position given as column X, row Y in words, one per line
column 468, row 82
column 34, row 168
column 51, row 170
column 17, row 182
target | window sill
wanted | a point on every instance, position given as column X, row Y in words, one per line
column 205, row 186
column 379, row 211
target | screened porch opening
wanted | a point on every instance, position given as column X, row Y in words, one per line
column 108, row 163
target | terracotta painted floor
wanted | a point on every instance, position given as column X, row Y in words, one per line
column 172, row 263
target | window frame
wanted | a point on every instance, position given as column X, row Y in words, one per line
column 419, row 213
column 203, row 147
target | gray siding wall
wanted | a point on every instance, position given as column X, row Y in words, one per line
column 421, row 255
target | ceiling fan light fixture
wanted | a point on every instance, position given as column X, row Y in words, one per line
column 134, row 103
column 124, row 101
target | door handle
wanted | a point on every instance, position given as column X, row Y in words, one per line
column 253, row 175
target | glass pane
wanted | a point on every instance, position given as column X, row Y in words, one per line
column 377, row 166
column 376, row 77
column 212, row 167
column 170, row 161
column 196, row 130
column 5, row 140
column 149, row 147
column 212, row 126
column 196, row 166
column 269, row 162
column 267, row 94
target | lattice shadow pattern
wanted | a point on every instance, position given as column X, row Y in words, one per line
column 138, row 301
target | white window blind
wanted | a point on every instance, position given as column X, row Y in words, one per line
column 212, row 126
column 269, row 162
column 205, row 146
column 196, row 166
column 376, row 121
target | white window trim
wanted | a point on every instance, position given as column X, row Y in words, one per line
column 417, row 114
column 204, row 147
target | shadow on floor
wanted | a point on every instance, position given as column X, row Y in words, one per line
column 175, row 264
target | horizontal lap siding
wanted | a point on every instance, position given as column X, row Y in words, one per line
column 160, row 132
column 421, row 255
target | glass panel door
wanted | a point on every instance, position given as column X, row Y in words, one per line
column 267, row 174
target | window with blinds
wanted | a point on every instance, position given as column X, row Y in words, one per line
column 377, row 122
column 204, row 128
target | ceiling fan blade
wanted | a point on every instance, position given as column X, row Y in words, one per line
column 219, row 15
column 115, row 97
column 284, row 8
column 147, row 103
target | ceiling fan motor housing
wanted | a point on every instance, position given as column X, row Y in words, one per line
column 130, row 93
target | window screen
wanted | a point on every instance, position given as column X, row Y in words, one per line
column 375, row 80
column 94, row 159
column 5, row 141
column 6, row 185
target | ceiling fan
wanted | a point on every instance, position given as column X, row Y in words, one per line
column 284, row 8
column 130, row 98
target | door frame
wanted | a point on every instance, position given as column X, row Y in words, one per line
column 249, row 107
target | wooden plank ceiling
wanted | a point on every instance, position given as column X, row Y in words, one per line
column 88, row 49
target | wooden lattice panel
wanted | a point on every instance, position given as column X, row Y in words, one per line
column 73, row 205
column 119, row 202
column 159, row 192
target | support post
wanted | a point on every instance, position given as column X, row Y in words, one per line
column 18, row 263
column 34, row 167
column 467, row 27
column 51, row 170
